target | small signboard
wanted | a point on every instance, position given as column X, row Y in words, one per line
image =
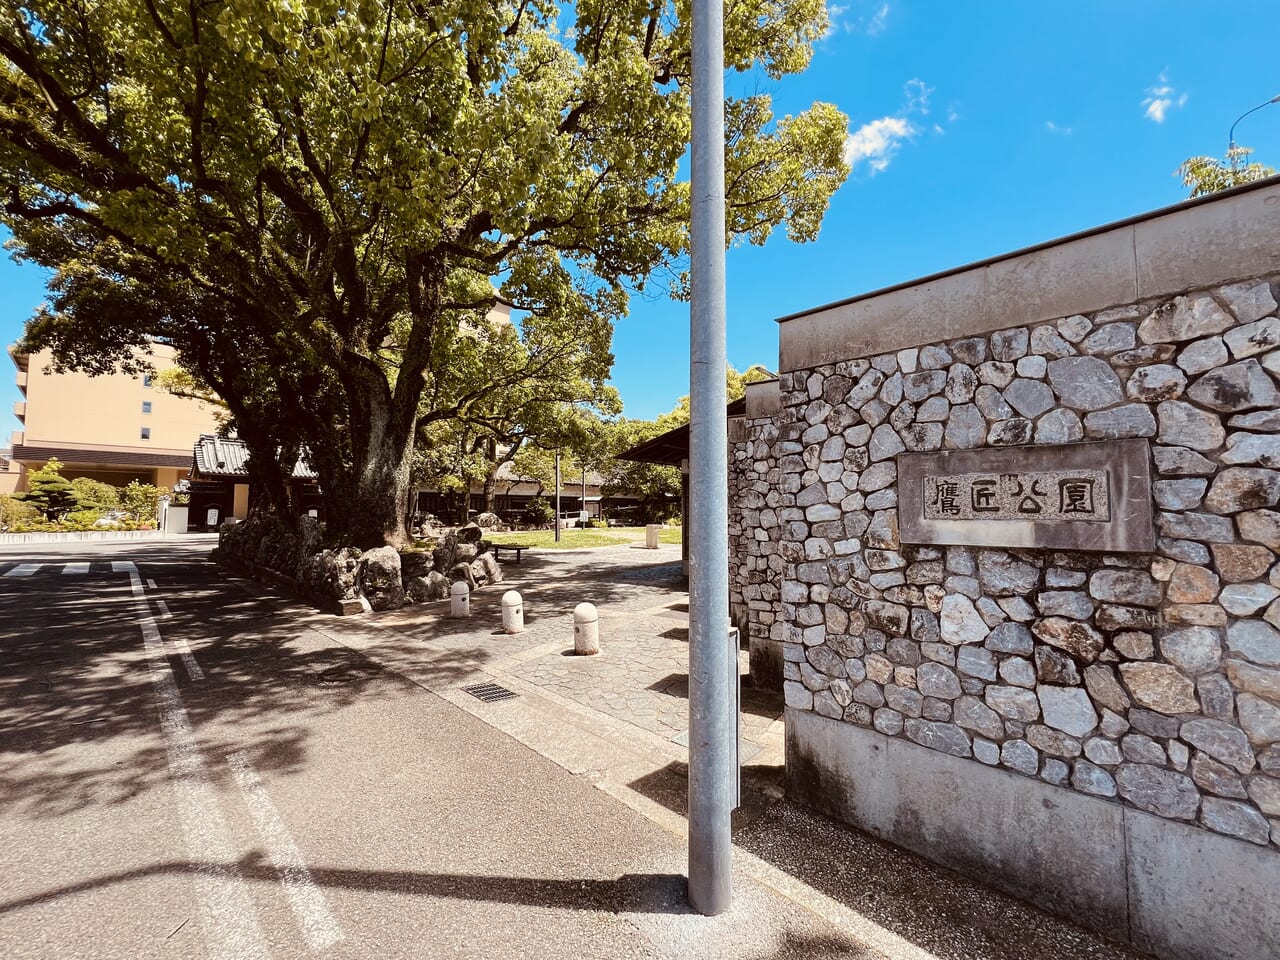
column 1077, row 496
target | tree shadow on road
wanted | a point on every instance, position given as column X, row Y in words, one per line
column 78, row 709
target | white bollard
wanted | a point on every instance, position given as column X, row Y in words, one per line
column 651, row 533
column 460, row 600
column 586, row 630
column 512, row 612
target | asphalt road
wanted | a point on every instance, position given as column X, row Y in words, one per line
column 187, row 771
column 191, row 768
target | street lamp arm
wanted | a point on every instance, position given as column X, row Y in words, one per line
column 1231, row 136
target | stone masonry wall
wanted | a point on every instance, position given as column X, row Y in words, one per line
column 755, row 567
column 1151, row 679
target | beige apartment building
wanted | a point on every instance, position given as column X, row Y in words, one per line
column 114, row 428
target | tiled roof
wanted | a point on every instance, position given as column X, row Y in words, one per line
column 228, row 457
column 507, row 474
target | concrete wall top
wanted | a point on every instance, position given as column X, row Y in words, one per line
column 764, row 399
column 1228, row 236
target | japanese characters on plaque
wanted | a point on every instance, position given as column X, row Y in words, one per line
column 1031, row 495
column 1072, row 496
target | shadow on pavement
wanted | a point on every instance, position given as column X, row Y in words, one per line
column 78, row 714
column 629, row 893
column 755, row 701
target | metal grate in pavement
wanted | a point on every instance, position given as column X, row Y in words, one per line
column 489, row 692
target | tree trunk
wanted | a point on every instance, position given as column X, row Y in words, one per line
column 268, row 477
column 380, row 493
column 376, row 496
column 491, row 490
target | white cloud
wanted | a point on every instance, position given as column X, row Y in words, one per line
column 875, row 26
column 835, row 15
column 1161, row 98
column 844, row 18
column 1054, row 128
column 877, row 142
column 917, row 94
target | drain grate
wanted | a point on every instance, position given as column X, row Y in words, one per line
column 489, row 692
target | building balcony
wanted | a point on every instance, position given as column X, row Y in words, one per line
column 16, row 439
column 22, row 381
column 20, row 360
column 20, row 411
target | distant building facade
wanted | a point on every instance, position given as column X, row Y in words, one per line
column 10, row 472
column 115, row 428
column 514, row 492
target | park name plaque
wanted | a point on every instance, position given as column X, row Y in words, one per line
column 1076, row 496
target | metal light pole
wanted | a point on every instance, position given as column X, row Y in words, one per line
column 1231, row 136
column 557, row 496
column 712, row 723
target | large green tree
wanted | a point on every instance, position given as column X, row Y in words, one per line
column 330, row 192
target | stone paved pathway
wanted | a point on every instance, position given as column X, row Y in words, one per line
column 641, row 676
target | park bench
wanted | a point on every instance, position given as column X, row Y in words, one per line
column 499, row 547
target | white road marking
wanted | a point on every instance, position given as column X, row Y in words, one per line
column 75, row 569
column 227, row 916
column 314, row 917
column 24, row 569
column 125, row 566
column 164, row 610
column 188, row 659
column 151, row 584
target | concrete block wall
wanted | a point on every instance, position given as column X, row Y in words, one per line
column 1134, row 682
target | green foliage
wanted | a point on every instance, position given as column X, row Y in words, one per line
column 1205, row 175
column 48, row 491
column 14, row 511
column 312, row 202
column 95, row 495
column 141, row 501
column 539, row 466
column 658, row 487
column 537, row 512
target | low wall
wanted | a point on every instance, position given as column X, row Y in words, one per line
column 1132, row 692
column 1168, row 888
column 95, row 536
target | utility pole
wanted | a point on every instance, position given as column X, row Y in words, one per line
column 712, row 723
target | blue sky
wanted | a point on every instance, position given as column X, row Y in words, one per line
column 975, row 128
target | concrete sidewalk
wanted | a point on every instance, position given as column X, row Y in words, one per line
column 804, row 885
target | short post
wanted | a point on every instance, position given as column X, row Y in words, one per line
column 651, row 533
column 459, row 599
column 512, row 612
column 586, row 630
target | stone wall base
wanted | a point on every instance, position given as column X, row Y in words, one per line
column 766, row 664
column 1169, row 888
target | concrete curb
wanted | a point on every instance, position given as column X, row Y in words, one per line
column 78, row 536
